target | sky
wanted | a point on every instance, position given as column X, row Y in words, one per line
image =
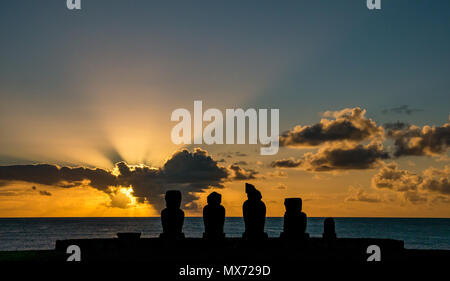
column 86, row 98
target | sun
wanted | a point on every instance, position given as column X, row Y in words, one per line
column 128, row 191
column 122, row 197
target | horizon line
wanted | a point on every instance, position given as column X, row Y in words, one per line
column 374, row 217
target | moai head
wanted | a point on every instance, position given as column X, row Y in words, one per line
column 173, row 199
column 252, row 192
column 214, row 199
column 293, row 205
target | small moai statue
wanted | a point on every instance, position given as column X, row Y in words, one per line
column 172, row 216
column 329, row 231
column 214, row 217
column 294, row 220
column 254, row 211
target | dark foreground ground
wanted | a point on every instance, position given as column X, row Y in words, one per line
column 230, row 258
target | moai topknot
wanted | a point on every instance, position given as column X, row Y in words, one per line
column 254, row 211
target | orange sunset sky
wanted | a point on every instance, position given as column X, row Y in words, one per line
column 86, row 99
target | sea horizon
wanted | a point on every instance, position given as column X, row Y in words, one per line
column 42, row 233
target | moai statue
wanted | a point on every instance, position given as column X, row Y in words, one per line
column 172, row 216
column 329, row 231
column 214, row 217
column 294, row 220
column 254, row 211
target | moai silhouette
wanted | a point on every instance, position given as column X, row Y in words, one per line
column 294, row 220
column 172, row 216
column 254, row 211
column 329, row 231
column 214, row 217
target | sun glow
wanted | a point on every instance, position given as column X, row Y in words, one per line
column 129, row 193
column 122, row 197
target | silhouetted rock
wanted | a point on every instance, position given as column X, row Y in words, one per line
column 294, row 220
column 214, row 217
column 254, row 214
column 329, row 231
column 172, row 216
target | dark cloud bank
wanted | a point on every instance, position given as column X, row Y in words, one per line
column 189, row 172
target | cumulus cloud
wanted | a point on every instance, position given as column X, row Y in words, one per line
column 190, row 172
column 238, row 173
column 436, row 180
column 359, row 195
column 414, row 197
column 420, row 141
column 286, row 163
column 391, row 177
column 349, row 124
column 413, row 187
column 120, row 197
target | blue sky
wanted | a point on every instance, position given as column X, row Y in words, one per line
column 301, row 56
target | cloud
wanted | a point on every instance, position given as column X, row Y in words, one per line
column 8, row 193
column 243, row 163
column 44, row 193
column 53, row 175
column 238, row 173
column 414, row 197
column 359, row 195
column 277, row 174
column 281, row 186
column 345, row 158
column 391, row 177
column 421, row 141
column 120, row 197
column 396, row 126
column 404, row 109
column 230, row 154
column 436, row 180
column 349, row 124
column 441, row 199
column 190, row 172
column 413, row 187
column 286, row 163
column 331, row 158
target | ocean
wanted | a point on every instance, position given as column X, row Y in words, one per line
column 41, row 233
